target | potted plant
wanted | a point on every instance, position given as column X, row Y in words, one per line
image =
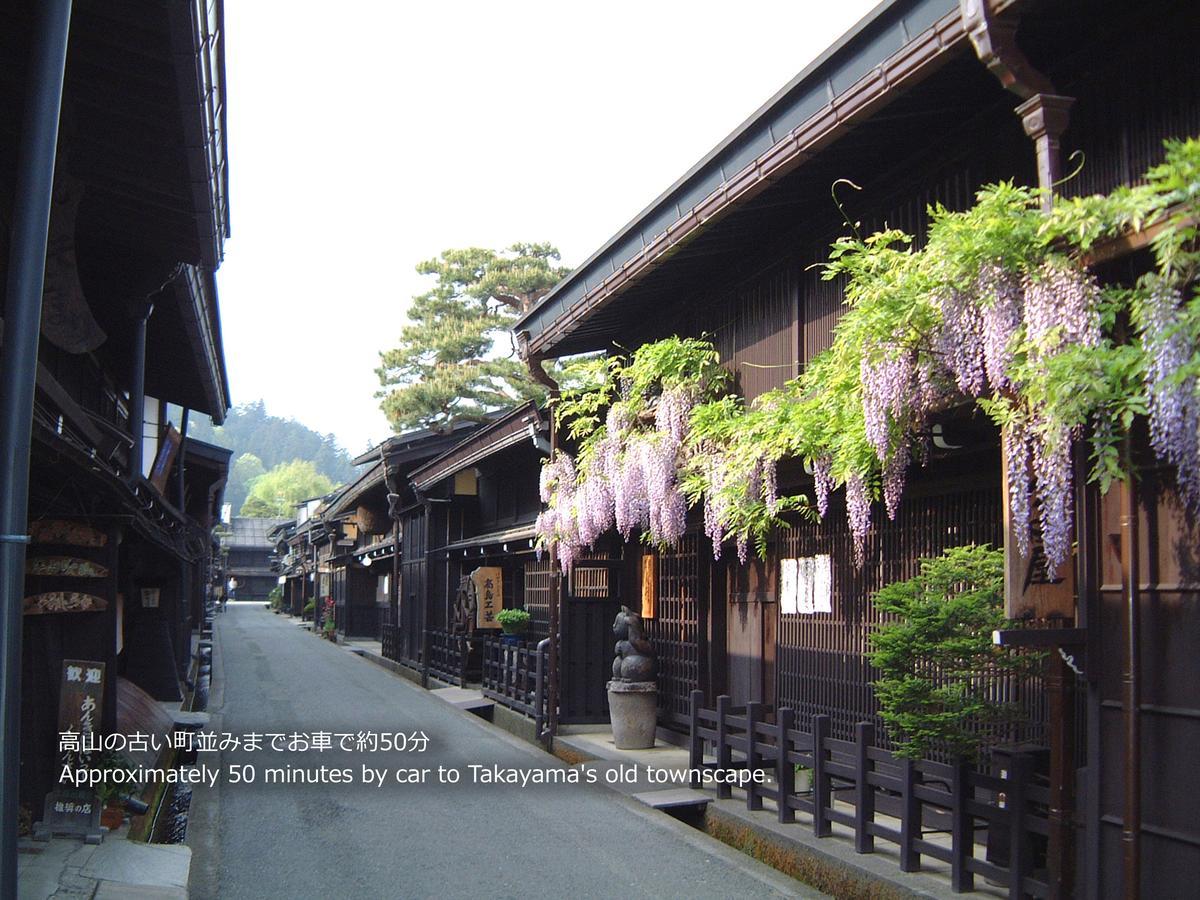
column 109, row 791
column 513, row 621
column 330, row 624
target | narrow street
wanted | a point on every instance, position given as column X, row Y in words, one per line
column 403, row 840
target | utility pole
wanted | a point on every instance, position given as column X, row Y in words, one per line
column 18, row 373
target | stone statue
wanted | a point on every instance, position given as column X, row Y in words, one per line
column 635, row 657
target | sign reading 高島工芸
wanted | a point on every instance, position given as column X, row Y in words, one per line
column 489, row 594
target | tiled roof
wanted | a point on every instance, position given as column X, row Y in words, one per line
column 251, row 532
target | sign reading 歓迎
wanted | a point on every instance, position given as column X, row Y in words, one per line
column 81, row 699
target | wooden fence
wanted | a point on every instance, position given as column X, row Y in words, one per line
column 878, row 794
column 514, row 674
column 447, row 655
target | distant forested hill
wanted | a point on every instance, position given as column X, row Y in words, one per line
column 249, row 429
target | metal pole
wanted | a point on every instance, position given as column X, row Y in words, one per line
column 18, row 371
column 1131, row 575
column 556, row 581
column 137, row 390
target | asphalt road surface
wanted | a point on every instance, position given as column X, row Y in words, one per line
column 334, row 840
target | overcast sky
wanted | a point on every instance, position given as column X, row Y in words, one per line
column 365, row 137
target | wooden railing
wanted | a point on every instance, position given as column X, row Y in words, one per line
column 389, row 636
column 446, row 654
column 513, row 673
column 877, row 794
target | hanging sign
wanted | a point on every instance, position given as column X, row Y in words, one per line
column 489, row 594
column 75, row 534
column 63, row 602
column 649, row 586
column 65, row 566
column 166, row 456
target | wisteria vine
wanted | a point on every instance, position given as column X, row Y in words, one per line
column 998, row 310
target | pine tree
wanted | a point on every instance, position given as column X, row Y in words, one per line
column 444, row 370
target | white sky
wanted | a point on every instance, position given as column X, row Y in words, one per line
column 365, row 137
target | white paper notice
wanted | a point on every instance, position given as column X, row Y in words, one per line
column 788, row 587
column 823, row 583
column 806, row 585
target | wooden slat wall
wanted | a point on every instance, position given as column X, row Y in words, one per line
column 675, row 632
column 754, row 330
column 1169, row 682
column 822, row 657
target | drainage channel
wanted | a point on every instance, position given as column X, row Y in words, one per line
column 171, row 819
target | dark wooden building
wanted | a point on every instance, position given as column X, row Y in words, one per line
column 904, row 107
column 248, row 552
column 121, row 501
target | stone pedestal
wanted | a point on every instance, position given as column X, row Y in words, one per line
column 633, row 707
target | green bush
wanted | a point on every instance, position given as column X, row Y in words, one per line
column 513, row 621
column 936, row 657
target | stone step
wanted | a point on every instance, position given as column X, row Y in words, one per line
column 462, row 698
column 673, row 798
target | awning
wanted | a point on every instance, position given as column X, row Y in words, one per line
column 512, row 540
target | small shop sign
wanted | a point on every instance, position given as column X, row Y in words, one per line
column 489, row 593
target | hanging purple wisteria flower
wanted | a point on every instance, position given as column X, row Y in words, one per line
column 858, row 514
column 1174, row 408
column 1016, row 453
column 1052, row 468
column 960, row 342
column 1062, row 307
column 999, row 293
column 822, row 483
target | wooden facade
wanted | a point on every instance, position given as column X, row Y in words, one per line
column 121, row 502
column 906, row 110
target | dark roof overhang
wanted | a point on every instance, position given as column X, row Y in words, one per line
column 897, row 45
column 524, row 423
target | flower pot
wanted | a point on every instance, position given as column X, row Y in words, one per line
column 633, row 711
column 111, row 817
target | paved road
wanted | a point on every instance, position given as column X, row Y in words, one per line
column 437, row 840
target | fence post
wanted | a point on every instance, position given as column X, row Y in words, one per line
column 864, row 791
column 695, row 742
column 785, row 770
column 1018, row 842
column 962, row 832
column 426, row 648
column 910, row 817
column 539, row 689
column 822, row 827
column 753, row 763
column 724, row 751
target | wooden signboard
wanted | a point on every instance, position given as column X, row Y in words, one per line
column 166, row 456
column 63, row 602
column 649, row 585
column 65, row 566
column 81, row 698
column 489, row 595
column 75, row 534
